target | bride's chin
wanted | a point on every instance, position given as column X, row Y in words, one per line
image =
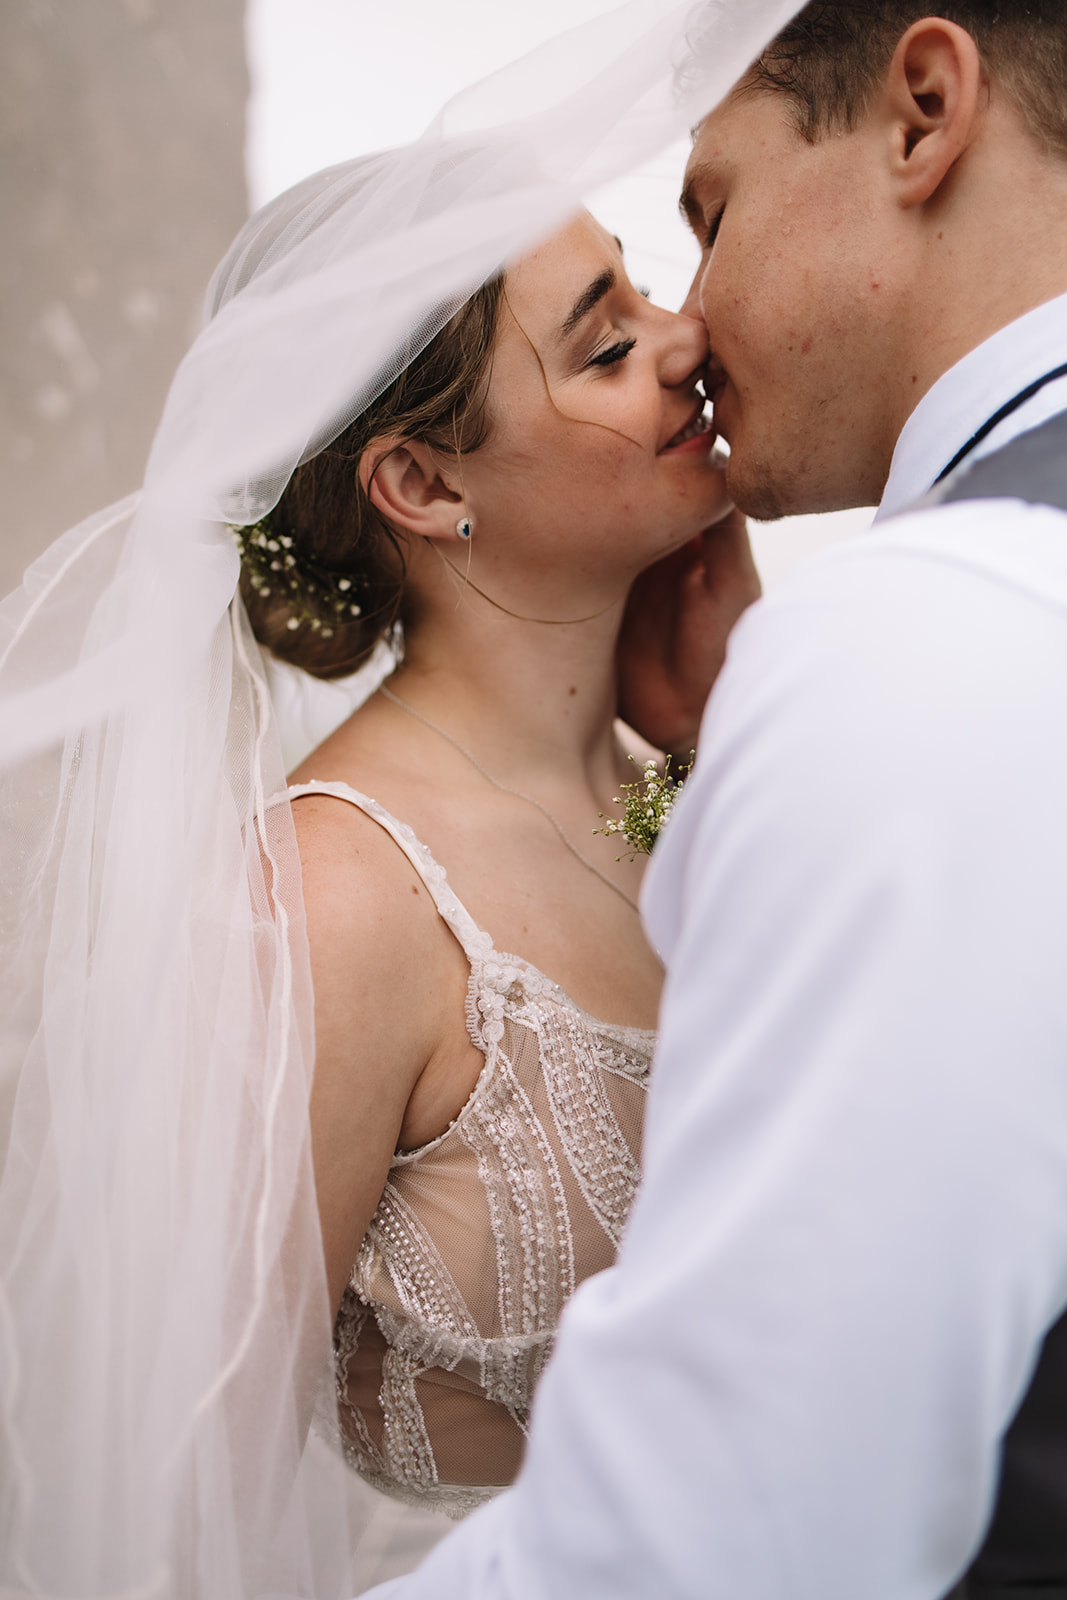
column 682, row 538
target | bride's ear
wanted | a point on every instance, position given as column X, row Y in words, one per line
column 405, row 482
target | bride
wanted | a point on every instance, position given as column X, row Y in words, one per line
column 171, row 1261
column 498, row 499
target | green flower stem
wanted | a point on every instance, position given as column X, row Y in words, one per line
column 648, row 804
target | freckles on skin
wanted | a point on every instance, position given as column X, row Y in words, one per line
column 547, row 434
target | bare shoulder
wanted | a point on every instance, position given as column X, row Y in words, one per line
column 388, row 982
column 371, row 920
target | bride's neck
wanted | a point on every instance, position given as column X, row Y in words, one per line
column 533, row 695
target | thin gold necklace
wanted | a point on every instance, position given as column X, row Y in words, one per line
column 467, row 582
column 517, row 794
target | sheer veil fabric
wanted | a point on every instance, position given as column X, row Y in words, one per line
column 164, row 1327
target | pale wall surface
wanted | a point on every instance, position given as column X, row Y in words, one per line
column 122, row 126
column 779, row 547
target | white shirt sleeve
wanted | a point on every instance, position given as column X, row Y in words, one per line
column 851, row 1235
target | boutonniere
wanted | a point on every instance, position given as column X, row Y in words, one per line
column 647, row 805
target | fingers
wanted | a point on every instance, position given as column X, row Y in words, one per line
column 728, row 560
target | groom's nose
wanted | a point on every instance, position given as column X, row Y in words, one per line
column 714, row 374
column 691, row 306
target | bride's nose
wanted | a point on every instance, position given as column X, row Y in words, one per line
column 685, row 349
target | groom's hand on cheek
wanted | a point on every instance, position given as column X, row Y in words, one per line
column 673, row 638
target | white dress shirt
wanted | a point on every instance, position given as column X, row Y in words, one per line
column 851, row 1235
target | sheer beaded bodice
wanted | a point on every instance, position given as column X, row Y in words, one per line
column 482, row 1234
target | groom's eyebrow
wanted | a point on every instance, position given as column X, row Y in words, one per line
column 590, row 297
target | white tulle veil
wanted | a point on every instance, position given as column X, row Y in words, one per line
column 164, row 1329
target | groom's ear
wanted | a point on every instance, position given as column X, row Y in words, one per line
column 934, row 96
column 405, row 482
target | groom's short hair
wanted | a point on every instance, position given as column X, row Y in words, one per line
column 831, row 57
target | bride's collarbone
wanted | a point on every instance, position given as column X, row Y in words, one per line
column 542, row 905
column 523, row 886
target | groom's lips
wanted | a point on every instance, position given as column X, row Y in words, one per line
column 713, row 382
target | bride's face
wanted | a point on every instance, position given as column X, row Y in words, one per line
column 591, row 465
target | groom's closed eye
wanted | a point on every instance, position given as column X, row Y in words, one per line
column 711, row 230
column 695, row 212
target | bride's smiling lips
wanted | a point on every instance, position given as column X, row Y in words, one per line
column 694, row 437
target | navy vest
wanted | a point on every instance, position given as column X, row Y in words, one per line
column 1024, row 1556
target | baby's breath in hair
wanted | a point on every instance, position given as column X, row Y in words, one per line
column 338, row 533
column 315, row 597
column 648, row 804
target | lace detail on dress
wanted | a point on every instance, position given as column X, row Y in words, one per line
column 599, row 1154
column 527, row 1212
column 482, row 1234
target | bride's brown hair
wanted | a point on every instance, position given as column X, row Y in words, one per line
column 439, row 399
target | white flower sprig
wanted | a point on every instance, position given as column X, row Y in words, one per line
column 648, row 804
column 316, row 596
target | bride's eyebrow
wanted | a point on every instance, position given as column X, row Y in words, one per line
column 589, row 297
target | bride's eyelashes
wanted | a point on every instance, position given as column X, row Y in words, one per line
column 613, row 354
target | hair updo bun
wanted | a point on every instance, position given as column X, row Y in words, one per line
column 330, row 541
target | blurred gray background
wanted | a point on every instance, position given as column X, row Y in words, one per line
column 122, row 180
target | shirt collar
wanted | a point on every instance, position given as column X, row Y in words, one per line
column 969, row 393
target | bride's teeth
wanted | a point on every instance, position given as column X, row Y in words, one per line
column 698, row 425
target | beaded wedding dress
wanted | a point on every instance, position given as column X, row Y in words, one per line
column 483, row 1234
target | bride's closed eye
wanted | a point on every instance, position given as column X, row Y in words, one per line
column 613, row 354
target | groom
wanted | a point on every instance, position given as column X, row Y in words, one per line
column 829, row 1362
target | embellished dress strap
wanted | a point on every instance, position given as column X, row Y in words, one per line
column 475, row 941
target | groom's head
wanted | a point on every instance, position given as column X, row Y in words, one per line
column 882, row 191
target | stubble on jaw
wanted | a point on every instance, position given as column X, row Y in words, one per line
column 763, row 481
column 761, row 490
column 768, row 486
column 788, row 461
column 756, row 494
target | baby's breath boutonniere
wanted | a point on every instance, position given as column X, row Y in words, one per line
column 648, row 804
